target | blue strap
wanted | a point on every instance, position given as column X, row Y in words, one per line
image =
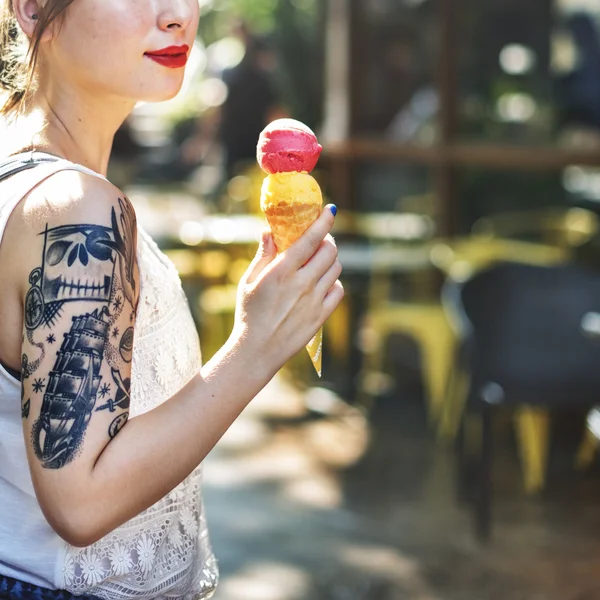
column 13, row 589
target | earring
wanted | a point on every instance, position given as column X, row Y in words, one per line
column 34, row 17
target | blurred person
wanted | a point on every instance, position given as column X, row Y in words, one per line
column 579, row 90
column 124, row 157
column 176, row 160
column 251, row 103
column 106, row 413
column 232, row 130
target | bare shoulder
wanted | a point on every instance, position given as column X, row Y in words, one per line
column 75, row 218
column 73, row 196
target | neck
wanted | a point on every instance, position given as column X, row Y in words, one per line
column 75, row 126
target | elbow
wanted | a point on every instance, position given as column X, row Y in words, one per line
column 81, row 515
column 77, row 534
column 80, row 539
column 76, row 527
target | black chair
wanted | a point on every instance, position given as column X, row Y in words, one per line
column 529, row 337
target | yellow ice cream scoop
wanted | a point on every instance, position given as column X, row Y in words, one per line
column 291, row 202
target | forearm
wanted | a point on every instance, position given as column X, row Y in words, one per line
column 154, row 452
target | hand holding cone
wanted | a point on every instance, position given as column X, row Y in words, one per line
column 291, row 198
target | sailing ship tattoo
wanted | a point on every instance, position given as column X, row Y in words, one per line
column 90, row 264
column 71, row 394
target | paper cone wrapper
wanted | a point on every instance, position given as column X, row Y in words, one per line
column 314, row 349
column 292, row 202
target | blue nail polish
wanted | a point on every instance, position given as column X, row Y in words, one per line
column 333, row 209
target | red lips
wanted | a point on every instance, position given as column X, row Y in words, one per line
column 172, row 57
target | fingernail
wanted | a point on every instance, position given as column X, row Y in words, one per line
column 333, row 209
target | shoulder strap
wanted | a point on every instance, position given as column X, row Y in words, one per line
column 23, row 162
column 47, row 165
column 28, row 160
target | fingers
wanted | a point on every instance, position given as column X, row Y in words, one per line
column 333, row 298
column 327, row 281
column 265, row 254
column 330, row 288
column 322, row 260
column 304, row 249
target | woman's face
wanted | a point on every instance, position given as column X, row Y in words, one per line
column 127, row 49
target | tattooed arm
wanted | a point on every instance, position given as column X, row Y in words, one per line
column 92, row 468
column 79, row 289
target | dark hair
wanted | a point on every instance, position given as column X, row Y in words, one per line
column 18, row 55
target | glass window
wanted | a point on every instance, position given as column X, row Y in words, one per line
column 380, row 187
column 491, row 192
column 530, row 71
column 393, row 58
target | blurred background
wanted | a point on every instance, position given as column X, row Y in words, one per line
column 449, row 450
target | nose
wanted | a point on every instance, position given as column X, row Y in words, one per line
column 177, row 14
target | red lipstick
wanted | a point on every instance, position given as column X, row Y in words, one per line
column 173, row 57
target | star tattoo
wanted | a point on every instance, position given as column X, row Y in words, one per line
column 104, row 390
column 118, row 303
column 38, row 385
column 115, row 332
column 51, row 339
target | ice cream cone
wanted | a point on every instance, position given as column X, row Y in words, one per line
column 292, row 202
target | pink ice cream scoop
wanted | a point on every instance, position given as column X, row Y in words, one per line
column 286, row 145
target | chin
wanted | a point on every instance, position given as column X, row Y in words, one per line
column 161, row 96
column 168, row 91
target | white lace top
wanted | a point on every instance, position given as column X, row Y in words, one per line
column 165, row 551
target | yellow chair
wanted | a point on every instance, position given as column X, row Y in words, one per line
column 424, row 322
column 420, row 316
column 461, row 257
column 567, row 228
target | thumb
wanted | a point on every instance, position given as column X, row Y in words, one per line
column 265, row 254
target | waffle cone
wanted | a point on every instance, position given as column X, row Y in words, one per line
column 289, row 221
column 292, row 202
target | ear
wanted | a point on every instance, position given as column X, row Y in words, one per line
column 27, row 13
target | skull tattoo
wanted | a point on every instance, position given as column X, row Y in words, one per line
column 78, row 265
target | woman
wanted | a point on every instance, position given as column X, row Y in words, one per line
column 95, row 326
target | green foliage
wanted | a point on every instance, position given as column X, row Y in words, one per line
column 294, row 28
column 260, row 15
